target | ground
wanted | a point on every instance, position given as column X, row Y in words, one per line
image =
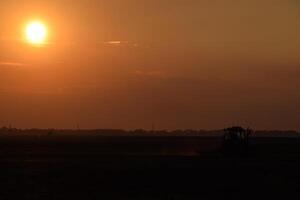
column 145, row 168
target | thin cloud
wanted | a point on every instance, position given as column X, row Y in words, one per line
column 12, row 64
column 117, row 42
column 121, row 43
column 114, row 42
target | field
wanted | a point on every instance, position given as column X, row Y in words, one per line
column 134, row 167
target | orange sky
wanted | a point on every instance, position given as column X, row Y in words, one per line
column 128, row 63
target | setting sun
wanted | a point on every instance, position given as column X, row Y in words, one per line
column 36, row 33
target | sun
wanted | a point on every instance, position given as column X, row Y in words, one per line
column 36, row 33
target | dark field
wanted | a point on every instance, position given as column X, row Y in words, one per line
column 132, row 167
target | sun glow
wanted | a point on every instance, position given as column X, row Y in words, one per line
column 36, row 33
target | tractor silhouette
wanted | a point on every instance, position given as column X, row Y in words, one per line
column 236, row 141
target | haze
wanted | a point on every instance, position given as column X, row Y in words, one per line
column 131, row 63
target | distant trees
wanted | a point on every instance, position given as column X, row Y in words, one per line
column 5, row 129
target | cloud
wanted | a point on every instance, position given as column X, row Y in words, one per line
column 121, row 43
column 12, row 64
column 114, row 42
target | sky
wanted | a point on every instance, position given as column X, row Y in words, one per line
column 180, row 64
